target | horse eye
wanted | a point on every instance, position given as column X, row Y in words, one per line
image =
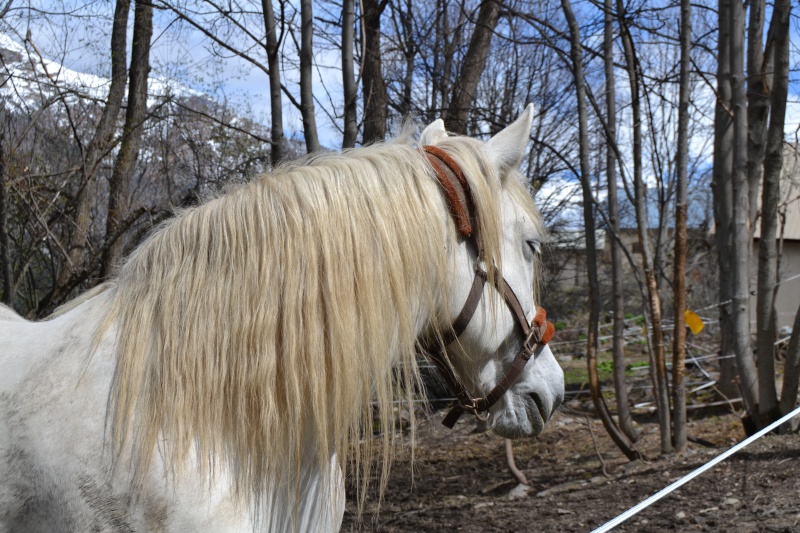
column 535, row 245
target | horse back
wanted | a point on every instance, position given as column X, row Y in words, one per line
column 6, row 313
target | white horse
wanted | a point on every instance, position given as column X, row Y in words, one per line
column 216, row 384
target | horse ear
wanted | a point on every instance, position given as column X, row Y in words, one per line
column 433, row 133
column 507, row 148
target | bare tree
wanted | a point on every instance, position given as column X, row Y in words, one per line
column 307, row 76
column 758, row 69
column 740, row 262
column 767, row 262
column 773, row 164
column 407, row 44
column 125, row 164
column 679, row 277
column 376, row 99
column 276, row 101
column 659, row 370
column 227, row 27
column 617, row 289
column 472, row 66
column 73, row 270
column 722, row 185
column 348, row 75
column 591, row 248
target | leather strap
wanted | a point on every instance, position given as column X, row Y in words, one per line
column 456, row 188
column 467, row 312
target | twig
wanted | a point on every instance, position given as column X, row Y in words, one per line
column 596, row 449
column 701, row 442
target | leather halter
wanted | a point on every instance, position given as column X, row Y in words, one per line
column 537, row 334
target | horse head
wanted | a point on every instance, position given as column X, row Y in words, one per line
column 518, row 396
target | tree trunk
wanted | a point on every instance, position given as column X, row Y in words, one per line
column 740, row 259
column 276, row 152
column 766, row 279
column 654, row 303
column 125, row 163
column 617, row 288
column 679, row 277
column 589, row 227
column 722, row 187
column 791, row 369
column 95, row 152
column 410, row 52
column 5, row 248
column 307, row 76
column 472, row 67
column 376, row 99
column 348, row 75
column 757, row 104
column 773, row 165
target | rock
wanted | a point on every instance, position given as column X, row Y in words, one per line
column 730, row 503
column 571, row 485
column 680, row 515
column 518, row 492
column 631, row 466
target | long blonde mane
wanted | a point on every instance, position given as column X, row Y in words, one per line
column 269, row 319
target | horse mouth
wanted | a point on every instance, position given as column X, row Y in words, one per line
column 538, row 414
column 540, row 410
column 526, row 415
column 546, row 410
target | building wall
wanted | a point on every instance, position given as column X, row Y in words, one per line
column 788, row 295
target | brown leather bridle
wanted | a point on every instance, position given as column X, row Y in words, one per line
column 536, row 335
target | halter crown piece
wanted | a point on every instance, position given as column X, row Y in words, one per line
column 536, row 334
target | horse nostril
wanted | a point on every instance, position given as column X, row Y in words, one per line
column 540, row 406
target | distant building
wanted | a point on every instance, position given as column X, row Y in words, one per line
column 566, row 257
column 566, row 260
column 788, row 294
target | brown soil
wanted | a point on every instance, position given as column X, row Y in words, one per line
column 461, row 482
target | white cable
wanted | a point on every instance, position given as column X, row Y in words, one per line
column 608, row 526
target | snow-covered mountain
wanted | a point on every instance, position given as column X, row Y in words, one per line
column 28, row 79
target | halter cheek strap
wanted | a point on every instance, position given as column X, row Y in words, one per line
column 536, row 335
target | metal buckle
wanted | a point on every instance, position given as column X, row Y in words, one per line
column 533, row 335
column 474, row 409
column 483, row 417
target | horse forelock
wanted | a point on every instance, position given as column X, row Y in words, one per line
column 260, row 326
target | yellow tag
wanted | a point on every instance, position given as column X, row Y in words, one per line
column 694, row 322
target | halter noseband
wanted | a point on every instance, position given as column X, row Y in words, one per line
column 537, row 334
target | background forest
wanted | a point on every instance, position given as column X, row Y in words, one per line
column 669, row 122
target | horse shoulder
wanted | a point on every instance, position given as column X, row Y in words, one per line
column 47, row 414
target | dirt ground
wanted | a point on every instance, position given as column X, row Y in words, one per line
column 461, row 481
